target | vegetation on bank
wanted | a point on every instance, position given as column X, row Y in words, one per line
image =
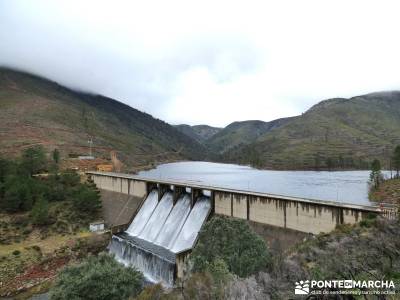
column 227, row 250
column 23, row 190
column 97, row 278
column 386, row 190
column 230, row 244
column 44, row 218
column 29, row 266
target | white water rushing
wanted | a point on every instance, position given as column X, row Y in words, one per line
column 192, row 226
column 144, row 214
column 174, row 223
column 158, row 232
column 158, row 218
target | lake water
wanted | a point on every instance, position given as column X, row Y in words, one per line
column 338, row 186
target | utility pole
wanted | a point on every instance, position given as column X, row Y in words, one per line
column 90, row 142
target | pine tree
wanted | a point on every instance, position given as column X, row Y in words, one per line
column 40, row 211
column 56, row 156
column 376, row 174
column 33, row 160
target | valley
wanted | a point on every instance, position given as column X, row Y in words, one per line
column 335, row 134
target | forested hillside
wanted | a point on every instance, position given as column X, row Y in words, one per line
column 336, row 133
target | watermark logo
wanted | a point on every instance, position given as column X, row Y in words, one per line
column 302, row 287
column 369, row 287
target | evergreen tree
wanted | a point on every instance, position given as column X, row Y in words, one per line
column 86, row 199
column 376, row 174
column 6, row 168
column 18, row 194
column 330, row 163
column 33, row 160
column 40, row 211
column 56, row 156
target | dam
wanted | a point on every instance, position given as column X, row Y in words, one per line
column 160, row 231
column 158, row 234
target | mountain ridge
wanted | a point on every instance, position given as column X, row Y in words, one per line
column 337, row 133
column 35, row 110
column 200, row 133
column 334, row 133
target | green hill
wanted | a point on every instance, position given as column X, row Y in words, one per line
column 34, row 111
column 239, row 134
column 336, row 133
column 200, row 133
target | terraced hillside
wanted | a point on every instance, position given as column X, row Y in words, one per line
column 37, row 111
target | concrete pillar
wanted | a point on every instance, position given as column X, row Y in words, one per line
column 162, row 188
column 178, row 191
column 212, row 199
column 195, row 194
column 248, row 207
column 150, row 186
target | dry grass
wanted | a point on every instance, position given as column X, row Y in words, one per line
column 388, row 192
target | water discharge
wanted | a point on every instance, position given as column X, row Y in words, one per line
column 154, row 267
column 158, row 232
column 192, row 226
column 144, row 214
column 157, row 219
column 174, row 223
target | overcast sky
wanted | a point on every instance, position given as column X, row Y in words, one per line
column 208, row 62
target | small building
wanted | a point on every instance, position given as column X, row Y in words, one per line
column 96, row 226
column 105, row 168
column 85, row 157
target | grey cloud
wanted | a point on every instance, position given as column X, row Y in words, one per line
column 92, row 63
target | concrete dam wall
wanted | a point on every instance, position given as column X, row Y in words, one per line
column 304, row 215
column 308, row 217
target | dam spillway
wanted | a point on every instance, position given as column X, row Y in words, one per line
column 159, row 231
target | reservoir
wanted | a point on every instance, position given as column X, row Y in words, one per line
column 338, row 186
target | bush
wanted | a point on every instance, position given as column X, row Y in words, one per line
column 219, row 271
column 97, row 278
column 70, row 179
column 36, row 248
column 151, row 292
column 232, row 241
column 16, row 252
